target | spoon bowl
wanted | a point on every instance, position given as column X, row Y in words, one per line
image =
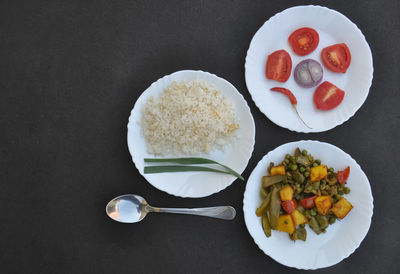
column 128, row 208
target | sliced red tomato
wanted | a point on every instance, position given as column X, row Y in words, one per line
column 328, row 96
column 304, row 41
column 279, row 66
column 289, row 206
column 336, row 58
column 343, row 175
column 308, row 202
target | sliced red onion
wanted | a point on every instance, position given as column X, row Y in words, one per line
column 308, row 73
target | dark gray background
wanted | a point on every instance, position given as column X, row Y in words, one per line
column 70, row 72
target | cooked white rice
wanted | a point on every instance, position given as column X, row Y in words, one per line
column 188, row 118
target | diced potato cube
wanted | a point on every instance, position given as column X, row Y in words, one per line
column 298, row 218
column 286, row 193
column 318, row 172
column 323, row 204
column 341, row 208
column 277, row 170
column 285, row 224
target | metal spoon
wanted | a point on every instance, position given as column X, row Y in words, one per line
column 131, row 208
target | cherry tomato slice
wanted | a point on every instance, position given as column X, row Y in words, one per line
column 289, row 206
column 328, row 96
column 279, row 66
column 343, row 175
column 336, row 58
column 304, row 41
column 308, row 202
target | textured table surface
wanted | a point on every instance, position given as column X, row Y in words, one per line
column 71, row 72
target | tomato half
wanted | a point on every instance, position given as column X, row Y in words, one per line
column 279, row 66
column 336, row 58
column 343, row 175
column 304, row 41
column 328, row 96
column 289, row 206
column 308, row 202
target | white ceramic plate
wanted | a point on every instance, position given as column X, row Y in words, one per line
column 333, row 27
column 195, row 184
column 341, row 239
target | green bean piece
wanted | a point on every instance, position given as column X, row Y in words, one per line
column 302, row 169
column 300, row 209
column 265, row 203
column 302, row 225
column 304, row 152
column 297, row 152
column 315, row 164
column 293, row 166
column 332, row 220
column 287, row 156
column 308, row 188
column 301, row 233
column 314, row 225
column 274, row 208
column 298, row 177
column 266, row 226
column 318, row 161
column 346, row 190
column 302, row 160
column 307, row 174
column 331, row 170
column 340, row 192
column 271, row 180
column 322, row 221
column 316, row 185
column 313, row 212
column 263, row 192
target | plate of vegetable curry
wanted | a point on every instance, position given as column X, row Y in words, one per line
column 308, row 204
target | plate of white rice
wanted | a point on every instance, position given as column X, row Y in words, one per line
column 191, row 114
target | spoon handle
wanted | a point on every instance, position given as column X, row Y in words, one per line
column 220, row 212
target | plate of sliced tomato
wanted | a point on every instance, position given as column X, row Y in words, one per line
column 318, row 55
